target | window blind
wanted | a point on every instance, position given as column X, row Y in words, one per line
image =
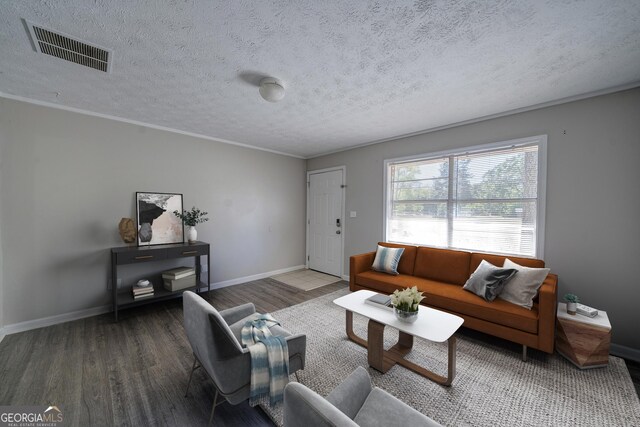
column 482, row 200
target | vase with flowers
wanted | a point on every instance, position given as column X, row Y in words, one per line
column 192, row 218
column 405, row 304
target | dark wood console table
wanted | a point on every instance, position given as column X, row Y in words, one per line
column 137, row 254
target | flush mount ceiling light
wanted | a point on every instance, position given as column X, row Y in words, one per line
column 271, row 89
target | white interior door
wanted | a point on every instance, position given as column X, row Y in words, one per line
column 325, row 222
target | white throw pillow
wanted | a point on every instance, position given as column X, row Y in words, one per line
column 523, row 287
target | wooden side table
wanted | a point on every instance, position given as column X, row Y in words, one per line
column 583, row 340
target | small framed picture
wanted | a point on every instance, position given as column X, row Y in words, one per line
column 157, row 225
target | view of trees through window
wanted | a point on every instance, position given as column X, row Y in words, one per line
column 478, row 201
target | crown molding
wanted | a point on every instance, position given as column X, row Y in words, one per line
column 139, row 123
column 489, row 117
column 377, row 141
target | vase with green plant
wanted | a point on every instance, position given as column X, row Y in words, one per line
column 405, row 304
column 572, row 302
column 192, row 218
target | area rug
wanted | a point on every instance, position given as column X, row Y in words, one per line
column 493, row 386
column 306, row 279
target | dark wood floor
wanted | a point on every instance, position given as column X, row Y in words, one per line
column 134, row 372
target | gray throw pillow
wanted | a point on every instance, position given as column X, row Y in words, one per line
column 488, row 280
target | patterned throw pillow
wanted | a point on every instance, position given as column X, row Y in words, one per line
column 488, row 280
column 387, row 260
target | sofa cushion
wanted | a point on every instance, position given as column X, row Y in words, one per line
column 385, row 283
column 387, row 259
column 488, row 280
column 408, row 258
column 442, row 265
column 455, row 299
column 477, row 257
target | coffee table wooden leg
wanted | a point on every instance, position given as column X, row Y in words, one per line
column 376, row 354
column 451, row 368
column 352, row 336
column 383, row 360
column 405, row 342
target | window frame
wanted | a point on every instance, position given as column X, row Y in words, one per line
column 539, row 140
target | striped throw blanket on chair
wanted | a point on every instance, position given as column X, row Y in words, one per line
column 269, row 359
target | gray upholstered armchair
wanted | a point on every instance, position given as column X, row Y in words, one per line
column 352, row 403
column 215, row 339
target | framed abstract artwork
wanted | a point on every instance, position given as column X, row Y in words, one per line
column 157, row 225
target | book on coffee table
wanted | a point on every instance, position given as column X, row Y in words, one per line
column 379, row 300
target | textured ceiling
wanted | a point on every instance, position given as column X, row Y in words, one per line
column 355, row 71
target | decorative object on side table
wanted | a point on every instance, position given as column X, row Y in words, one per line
column 191, row 219
column 127, row 230
column 156, row 224
column 405, row 304
column 145, row 233
column 572, row 302
column 585, row 310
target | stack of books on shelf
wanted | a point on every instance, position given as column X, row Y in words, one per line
column 179, row 278
column 143, row 289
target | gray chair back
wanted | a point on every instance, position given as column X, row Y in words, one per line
column 211, row 339
column 352, row 403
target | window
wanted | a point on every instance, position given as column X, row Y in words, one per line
column 487, row 198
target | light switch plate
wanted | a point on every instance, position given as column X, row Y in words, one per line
column 352, row 214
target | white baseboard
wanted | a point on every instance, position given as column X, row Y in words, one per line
column 625, row 352
column 81, row 314
column 245, row 279
column 345, row 277
column 54, row 320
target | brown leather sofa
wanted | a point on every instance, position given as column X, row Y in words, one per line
column 441, row 273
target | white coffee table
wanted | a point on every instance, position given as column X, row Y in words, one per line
column 433, row 325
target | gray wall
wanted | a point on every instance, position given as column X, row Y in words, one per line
column 1, row 265
column 593, row 198
column 68, row 178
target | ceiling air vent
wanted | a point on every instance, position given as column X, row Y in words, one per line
column 66, row 47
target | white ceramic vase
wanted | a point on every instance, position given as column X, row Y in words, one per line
column 192, row 233
column 571, row 307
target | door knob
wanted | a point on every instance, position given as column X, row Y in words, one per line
column 337, row 231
